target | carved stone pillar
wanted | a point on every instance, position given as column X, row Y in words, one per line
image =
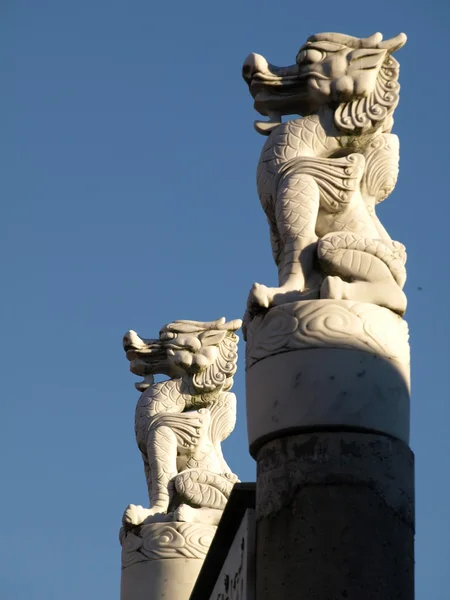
column 180, row 423
column 328, row 380
column 328, row 423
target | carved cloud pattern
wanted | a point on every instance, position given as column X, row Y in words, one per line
column 327, row 323
column 167, row 540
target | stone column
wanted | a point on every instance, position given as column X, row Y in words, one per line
column 335, row 517
column 328, row 423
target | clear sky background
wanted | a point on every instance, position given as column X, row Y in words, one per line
column 128, row 200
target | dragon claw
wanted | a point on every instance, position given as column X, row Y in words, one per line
column 259, row 296
column 135, row 515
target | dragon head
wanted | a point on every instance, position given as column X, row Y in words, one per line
column 355, row 76
column 206, row 352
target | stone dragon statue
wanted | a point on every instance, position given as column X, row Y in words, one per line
column 181, row 422
column 320, row 176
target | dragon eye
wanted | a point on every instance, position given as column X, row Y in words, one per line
column 164, row 336
column 310, row 56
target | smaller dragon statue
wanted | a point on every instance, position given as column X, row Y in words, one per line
column 320, row 176
column 181, row 422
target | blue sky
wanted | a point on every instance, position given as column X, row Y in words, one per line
column 128, row 200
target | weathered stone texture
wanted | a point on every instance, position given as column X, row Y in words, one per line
column 335, row 518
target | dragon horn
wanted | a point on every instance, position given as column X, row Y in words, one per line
column 348, row 40
column 187, row 325
column 393, row 44
column 218, row 324
column 233, row 325
column 191, row 326
column 371, row 41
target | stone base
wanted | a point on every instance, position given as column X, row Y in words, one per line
column 325, row 388
column 335, row 518
column 163, row 560
column 327, row 364
column 164, row 579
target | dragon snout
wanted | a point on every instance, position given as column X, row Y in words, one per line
column 254, row 63
column 132, row 340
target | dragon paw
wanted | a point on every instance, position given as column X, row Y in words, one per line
column 135, row 515
column 261, row 297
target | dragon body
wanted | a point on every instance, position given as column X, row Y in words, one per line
column 181, row 422
column 319, row 177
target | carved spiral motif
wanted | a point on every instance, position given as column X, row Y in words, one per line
column 325, row 325
column 220, row 373
column 366, row 113
column 198, row 541
column 165, row 543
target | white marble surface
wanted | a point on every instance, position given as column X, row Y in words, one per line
column 327, row 347
column 321, row 176
column 327, row 324
column 181, row 422
column 164, row 579
column 326, row 388
column 163, row 560
column 321, row 364
column 171, row 539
